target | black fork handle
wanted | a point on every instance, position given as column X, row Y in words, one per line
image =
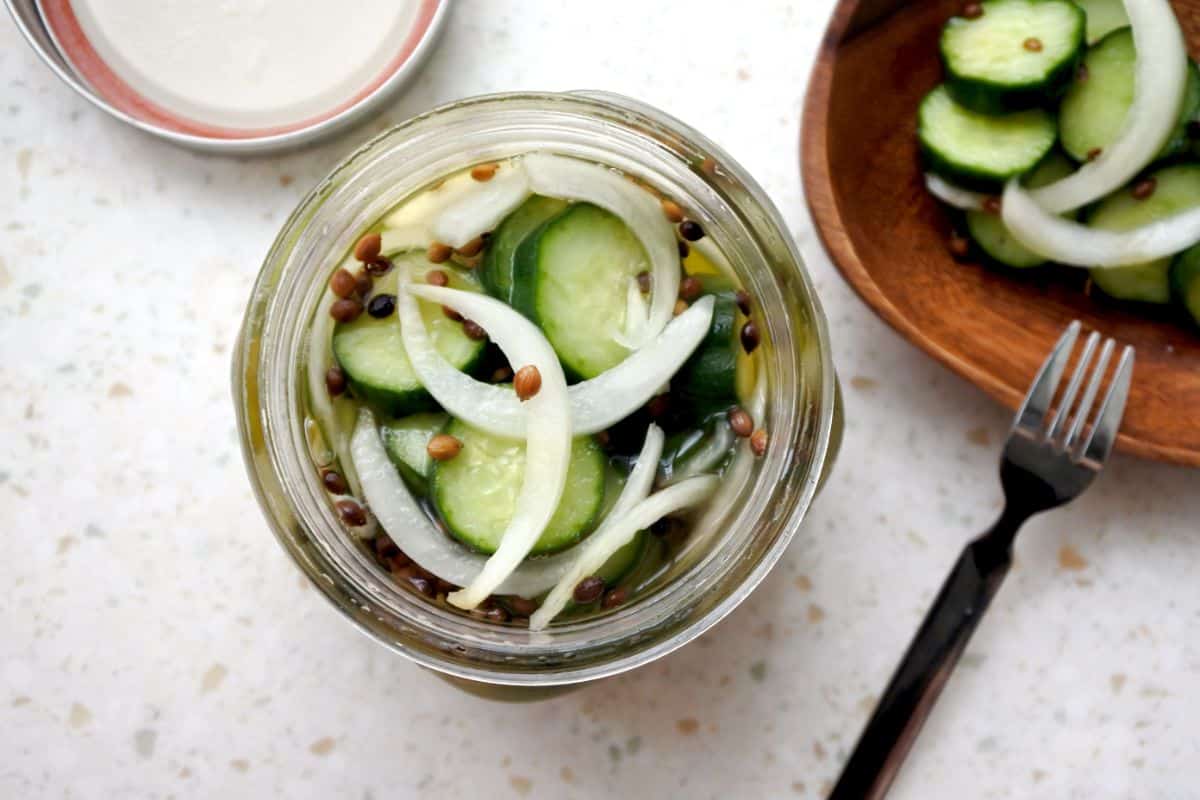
column 931, row 657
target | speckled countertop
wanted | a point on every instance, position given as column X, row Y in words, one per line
column 156, row 642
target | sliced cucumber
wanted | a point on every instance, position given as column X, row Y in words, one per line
column 406, row 441
column 1185, row 281
column 1103, row 17
column 975, row 149
column 371, row 353
column 572, row 277
column 707, row 382
column 1180, row 140
column 1143, row 283
column 1094, row 110
column 1176, row 189
column 1017, row 54
column 988, row 230
column 475, row 492
column 496, row 272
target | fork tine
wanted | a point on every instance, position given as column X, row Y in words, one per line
column 1068, row 398
column 1089, row 394
column 1099, row 442
column 1041, row 391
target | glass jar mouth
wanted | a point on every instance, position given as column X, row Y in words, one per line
column 754, row 524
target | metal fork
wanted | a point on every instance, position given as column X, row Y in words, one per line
column 1049, row 459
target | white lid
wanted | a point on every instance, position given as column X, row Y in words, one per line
column 216, row 67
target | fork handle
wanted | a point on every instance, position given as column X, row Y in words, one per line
column 932, row 655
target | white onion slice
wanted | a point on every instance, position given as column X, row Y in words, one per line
column 320, row 356
column 1069, row 242
column 636, row 316
column 547, row 426
column 641, row 477
column 409, row 527
column 615, row 533
column 595, row 404
column 482, row 209
column 953, row 195
column 408, row 237
column 571, row 179
column 1160, row 74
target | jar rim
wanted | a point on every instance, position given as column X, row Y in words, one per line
column 793, row 464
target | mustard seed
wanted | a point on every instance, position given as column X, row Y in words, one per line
column 439, row 253
column 345, row 310
column 588, row 590
column 527, row 382
column 436, row 277
column 342, row 283
column 368, row 247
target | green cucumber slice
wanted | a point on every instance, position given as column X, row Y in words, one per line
column 988, row 230
column 978, row 150
column 406, row 441
column 572, row 278
column 1142, row 283
column 475, row 492
column 1185, row 281
column 1180, row 140
column 372, row 355
column 1177, row 189
column 1103, row 17
column 993, row 67
column 707, row 382
column 1094, row 110
column 496, row 272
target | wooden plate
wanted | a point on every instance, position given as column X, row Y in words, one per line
column 888, row 235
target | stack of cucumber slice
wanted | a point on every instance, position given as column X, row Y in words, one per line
column 1034, row 90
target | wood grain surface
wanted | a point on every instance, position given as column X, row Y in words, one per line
column 888, row 236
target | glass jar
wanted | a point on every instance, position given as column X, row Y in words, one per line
column 750, row 525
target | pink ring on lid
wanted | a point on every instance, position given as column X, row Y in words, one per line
column 77, row 48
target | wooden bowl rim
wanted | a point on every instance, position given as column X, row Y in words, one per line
column 818, row 183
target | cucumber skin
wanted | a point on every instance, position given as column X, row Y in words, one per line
column 964, row 176
column 1185, row 281
column 707, row 382
column 989, row 97
column 496, row 272
column 1180, row 143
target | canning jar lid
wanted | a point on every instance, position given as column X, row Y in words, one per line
column 234, row 77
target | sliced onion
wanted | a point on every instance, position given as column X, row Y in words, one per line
column 636, row 316
column 482, row 209
column 571, row 179
column 616, row 393
column 409, row 527
column 953, row 195
column 641, row 478
column 1068, row 242
column 320, row 356
column 1160, row 74
column 615, row 533
column 408, row 237
column 707, row 457
column 595, row 404
column 547, row 426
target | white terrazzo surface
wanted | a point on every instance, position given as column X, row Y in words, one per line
column 156, row 642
